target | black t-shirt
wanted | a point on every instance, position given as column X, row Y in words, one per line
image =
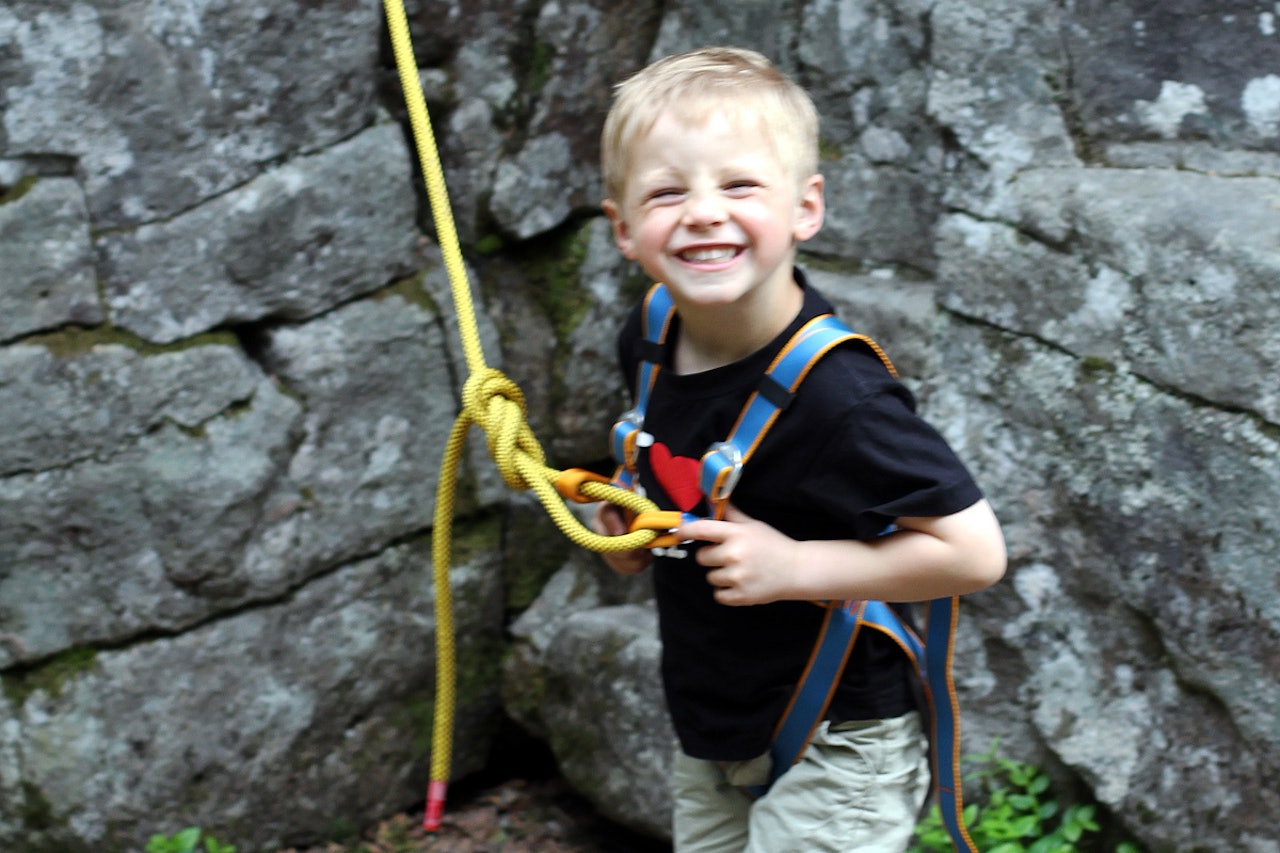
column 847, row 457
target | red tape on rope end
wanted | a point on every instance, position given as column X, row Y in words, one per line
column 436, row 792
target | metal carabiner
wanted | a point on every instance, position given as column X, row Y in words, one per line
column 724, row 478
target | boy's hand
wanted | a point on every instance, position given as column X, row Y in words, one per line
column 750, row 562
column 610, row 520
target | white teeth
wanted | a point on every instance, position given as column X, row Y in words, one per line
column 707, row 255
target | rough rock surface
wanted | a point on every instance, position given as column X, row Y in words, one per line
column 228, row 363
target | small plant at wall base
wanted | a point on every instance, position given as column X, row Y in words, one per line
column 188, row 841
column 1017, row 814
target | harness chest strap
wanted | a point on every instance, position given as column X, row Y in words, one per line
column 720, row 468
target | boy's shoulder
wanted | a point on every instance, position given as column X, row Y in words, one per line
column 844, row 374
column 847, row 380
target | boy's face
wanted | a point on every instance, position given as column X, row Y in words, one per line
column 710, row 210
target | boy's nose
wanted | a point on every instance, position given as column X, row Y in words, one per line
column 703, row 210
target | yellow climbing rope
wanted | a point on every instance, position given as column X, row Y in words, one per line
column 495, row 403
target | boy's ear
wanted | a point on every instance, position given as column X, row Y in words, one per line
column 811, row 209
column 621, row 233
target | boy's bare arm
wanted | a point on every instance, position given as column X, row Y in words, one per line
column 753, row 563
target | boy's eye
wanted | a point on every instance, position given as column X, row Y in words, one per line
column 741, row 185
column 663, row 194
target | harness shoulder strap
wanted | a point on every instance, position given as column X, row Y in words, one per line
column 655, row 321
column 721, row 465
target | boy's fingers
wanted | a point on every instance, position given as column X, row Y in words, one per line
column 703, row 530
column 610, row 518
column 713, row 530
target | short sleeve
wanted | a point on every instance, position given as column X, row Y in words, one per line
column 883, row 461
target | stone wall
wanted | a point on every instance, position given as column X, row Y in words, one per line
column 228, row 362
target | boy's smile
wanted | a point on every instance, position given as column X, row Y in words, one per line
column 710, row 209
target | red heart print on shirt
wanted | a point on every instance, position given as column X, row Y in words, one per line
column 678, row 476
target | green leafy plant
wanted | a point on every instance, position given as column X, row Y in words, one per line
column 187, row 841
column 1016, row 813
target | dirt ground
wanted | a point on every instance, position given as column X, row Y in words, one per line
column 539, row 815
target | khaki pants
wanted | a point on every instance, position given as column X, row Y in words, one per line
column 857, row 789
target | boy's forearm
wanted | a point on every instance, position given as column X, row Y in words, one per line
column 923, row 559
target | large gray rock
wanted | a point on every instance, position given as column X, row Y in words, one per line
column 147, row 529
column 583, row 675
column 882, row 214
column 1137, row 630
column 189, row 482
column 320, row 699
column 47, row 259
column 379, row 409
column 865, row 66
column 896, row 311
column 606, row 719
column 475, row 63
column 755, row 24
column 581, row 47
column 288, row 245
column 162, row 106
column 590, row 390
column 77, row 398
column 1171, row 274
column 1193, row 70
column 996, row 70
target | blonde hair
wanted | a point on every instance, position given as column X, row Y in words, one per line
column 723, row 78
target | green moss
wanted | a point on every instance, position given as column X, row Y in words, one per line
column 412, row 291
column 478, row 679
column 524, row 583
column 44, row 830
column 37, row 811
column 72, row 341
column 1094, row 367
column 344, row 830
column 199, row 431
column 18, row 190
column 479, row 670
column 417, row 715
column 540, row 60
column 475, row 536
column 50, row 677
column 831, row 263
column 554, row 274
column 829, row 151
column 523, row 696
column 534, row 550
column 490, row 244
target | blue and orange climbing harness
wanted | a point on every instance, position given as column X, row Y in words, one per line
column 495, row 403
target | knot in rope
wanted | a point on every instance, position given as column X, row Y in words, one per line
column 495, row 403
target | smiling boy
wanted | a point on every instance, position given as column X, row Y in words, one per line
column 710, row 166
